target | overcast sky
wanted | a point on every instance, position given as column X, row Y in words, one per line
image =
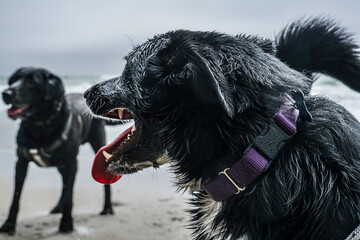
column 91, row 37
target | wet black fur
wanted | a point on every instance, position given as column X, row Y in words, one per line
column 210, row 94
column 42, row 124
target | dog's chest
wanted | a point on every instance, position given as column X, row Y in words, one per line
column 206, row 211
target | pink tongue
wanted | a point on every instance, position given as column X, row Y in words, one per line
column 100, row 170
column 14, row 111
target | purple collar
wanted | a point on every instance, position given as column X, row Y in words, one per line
column 266, row 146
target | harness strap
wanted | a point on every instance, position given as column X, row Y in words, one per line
column 63, row 136
column 41, row 156
column 81, row 126
column 36, row 156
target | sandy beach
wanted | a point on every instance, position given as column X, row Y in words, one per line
column 146, row 204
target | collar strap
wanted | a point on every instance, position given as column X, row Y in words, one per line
column 266, row 147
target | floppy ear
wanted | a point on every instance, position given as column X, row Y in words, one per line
column 53, row 87
column 183, row 63
column 15, row 75
column 211, row 86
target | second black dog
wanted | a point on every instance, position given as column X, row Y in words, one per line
column 52, row 129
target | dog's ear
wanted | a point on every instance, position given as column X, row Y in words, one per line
column 53, row 86
column 210, row 85
column 183, row 63
column 15, row 75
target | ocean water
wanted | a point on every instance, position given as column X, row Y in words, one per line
column 339, row 93
column 325, row 86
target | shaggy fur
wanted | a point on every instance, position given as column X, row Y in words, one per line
column 43, row 120
column 208, row 95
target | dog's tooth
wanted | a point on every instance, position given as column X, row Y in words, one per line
column 128, row 136
column 120, row 113
column 133, row 129
column 106, row 155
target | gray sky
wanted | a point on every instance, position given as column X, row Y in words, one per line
column 87, row 37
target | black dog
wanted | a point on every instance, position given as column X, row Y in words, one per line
column 53, row 127
column 229, row 112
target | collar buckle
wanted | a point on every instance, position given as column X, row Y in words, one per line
column 271, row 141
column 239, row 189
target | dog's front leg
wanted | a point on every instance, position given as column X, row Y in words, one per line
column 20, row 174
column 107, row 202
column 68, row 173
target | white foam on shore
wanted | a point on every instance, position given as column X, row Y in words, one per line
column 83, row 230
column 339, row 93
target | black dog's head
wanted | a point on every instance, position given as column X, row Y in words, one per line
column 137, row 148
column 31, row 91
column 184, row 82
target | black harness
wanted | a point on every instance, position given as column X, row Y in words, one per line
column 42, row 156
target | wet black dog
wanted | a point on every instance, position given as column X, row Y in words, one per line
column 53, row 126
column 208, row 97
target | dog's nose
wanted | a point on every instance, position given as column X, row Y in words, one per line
column 88, row 93
column 91, row 92
column 8, row 95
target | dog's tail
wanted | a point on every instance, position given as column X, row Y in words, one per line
column 319, row 45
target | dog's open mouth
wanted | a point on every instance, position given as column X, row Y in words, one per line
column 113, row 151
column 15, row 112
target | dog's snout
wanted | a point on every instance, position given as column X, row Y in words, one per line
column 96, row 100
column 8, row 95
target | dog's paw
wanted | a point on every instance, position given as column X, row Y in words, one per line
column 66, row 225
column 57, row 209
column 107, row 211
column 8, row 228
